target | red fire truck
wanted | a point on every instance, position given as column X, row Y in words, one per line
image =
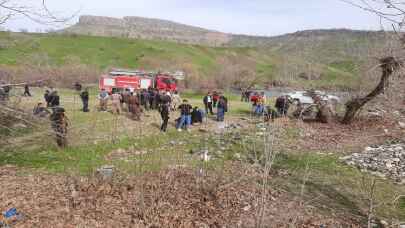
column 135, row 79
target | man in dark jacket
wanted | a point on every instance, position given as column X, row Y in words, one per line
column 54, row 99
column 84, row 95
column 156, row 99
column 47, row 97
column 78, row 86
column 197, row 115
column 27, row 91
column 185, row 117
column 282, row 105
column 164, row 113
column 208, row 103
column 151, row 92
column 222, row 107
column 145, row 99
column 165, row 98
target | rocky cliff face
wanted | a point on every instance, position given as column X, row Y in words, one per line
column 156, row 29
column 147, row 28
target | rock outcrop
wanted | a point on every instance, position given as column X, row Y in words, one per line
column 148, row 28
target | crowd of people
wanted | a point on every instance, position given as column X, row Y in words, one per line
column 131, row 102
column 135, row 102
column 260, row 106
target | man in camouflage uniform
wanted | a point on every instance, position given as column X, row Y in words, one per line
column 134, row 107
column 59, row 123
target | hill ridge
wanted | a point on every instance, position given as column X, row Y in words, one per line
column 162, row 29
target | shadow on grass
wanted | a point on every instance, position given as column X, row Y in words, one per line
column 329, row 197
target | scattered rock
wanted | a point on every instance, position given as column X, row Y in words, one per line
column 383, row 161
column 401, row 125
column 203, row 130
column 376, row 113
column 20, row 126
column 247, row 208
column 105, row 172
column 384, row 223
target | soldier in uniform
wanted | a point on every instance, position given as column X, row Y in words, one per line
column 59, row 123
column 164, row 113
column 134, row 107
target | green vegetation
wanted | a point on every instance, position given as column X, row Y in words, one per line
column 138, row 147
column 58, row 50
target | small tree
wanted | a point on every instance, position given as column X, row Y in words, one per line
column 388, row 65
column 393, row 13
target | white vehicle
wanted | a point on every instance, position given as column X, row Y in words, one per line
column 304, row 97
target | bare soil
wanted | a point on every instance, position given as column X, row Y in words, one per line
column 337, row 137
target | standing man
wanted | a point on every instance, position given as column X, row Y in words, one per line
column 125, row 98
column 103, row 97
column 282, row 105
column 84, row 95
column 151, row 97
column 134, row 107
column 259, row 106
column 116, row 102
column 156, row 98
column 215, row 98
column 176, row 100
column 59, row 123
column 27, row 91
column 208, row 104
column 145, row 99
column 164, row 113
column 185, row 116
column 165, row 98
column 222, row 107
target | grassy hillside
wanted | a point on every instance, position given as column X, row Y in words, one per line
column 99, row 51
column 278, row 61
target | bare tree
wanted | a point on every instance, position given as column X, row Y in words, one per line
column 393, row 13
column 36, row 11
